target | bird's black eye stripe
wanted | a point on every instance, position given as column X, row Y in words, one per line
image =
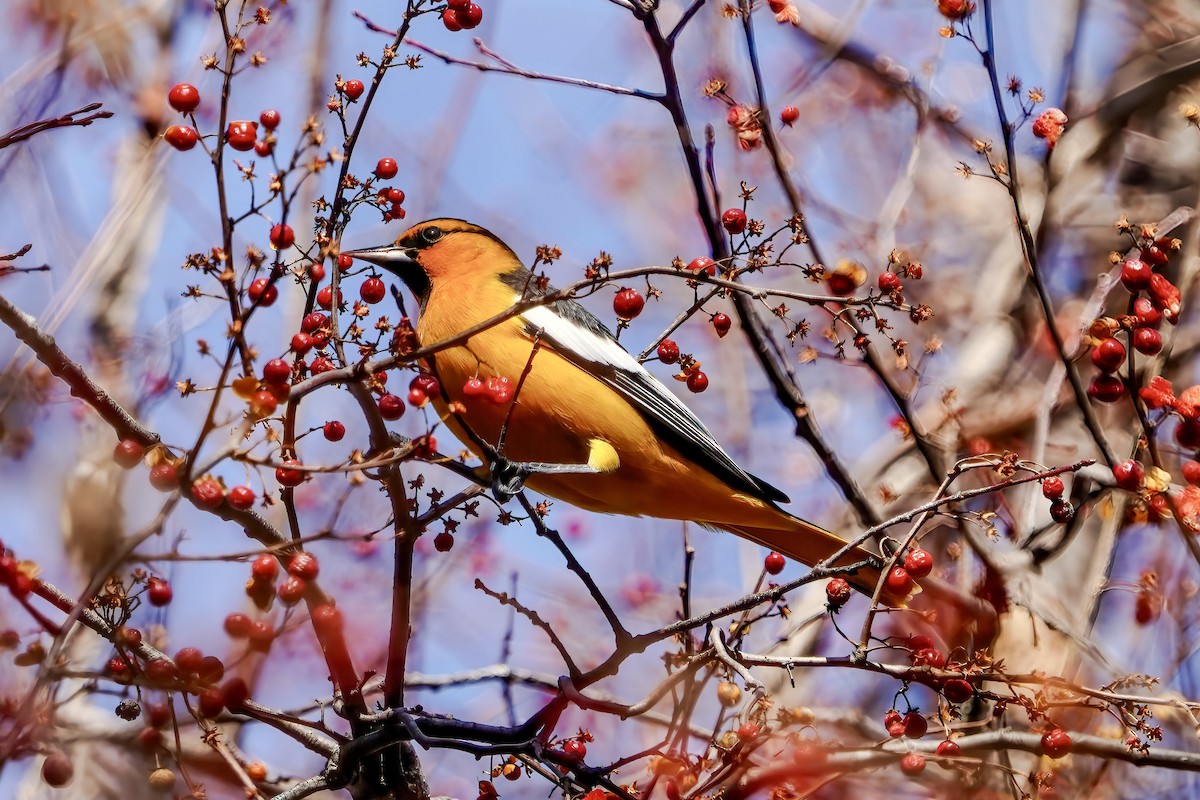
column 431, row 234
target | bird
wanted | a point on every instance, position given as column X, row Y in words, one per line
column 583, row 421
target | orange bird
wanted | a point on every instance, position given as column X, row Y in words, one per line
column 589, row 424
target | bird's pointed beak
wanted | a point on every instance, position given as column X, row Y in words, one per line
column 386, row 256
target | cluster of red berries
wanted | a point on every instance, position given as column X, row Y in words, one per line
column 389, row 198
column 302, row 569
column 668, row 353
column 899, row 582
column 241, row 135
column 461, row 15
column 1154, row 298
column 1061, row 510
column 924, row 654
column 497, row 389
column 910, row 726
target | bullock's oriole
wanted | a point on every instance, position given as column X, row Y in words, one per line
column 590, row 425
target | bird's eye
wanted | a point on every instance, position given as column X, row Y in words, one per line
column 431, row 234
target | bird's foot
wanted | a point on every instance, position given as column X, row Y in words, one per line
column 508, row 477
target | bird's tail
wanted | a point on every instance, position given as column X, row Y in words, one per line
column 810, row 545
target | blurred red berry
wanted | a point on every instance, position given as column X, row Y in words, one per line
column 181, row 137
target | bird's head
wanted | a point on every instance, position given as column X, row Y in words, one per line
column 437, row 251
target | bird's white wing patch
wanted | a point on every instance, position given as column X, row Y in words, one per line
column 605, row 358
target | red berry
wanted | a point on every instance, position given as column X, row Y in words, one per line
column 395, row 196
column 889, row 282
column 1147, row 341
column 386, row 168
column 734, row 220
column 912, row 764
column 301, row 343
column 1061, row 511
column 184, row 98
column 450, row 20
column 915, row 725
column 291, row 590
column 128, row 453
column 470, row 17
column 181, row 137
column 955, row 9
column 207, row 492
column 774, row 563
column 417, row 398
column 265, row 568
column 237, row 625
column 210, row 670
column 188, row 659
column 282, row 236
column 304, row 565
column 789, row 115
column 1135, row 274
column 837, row 592
column 262, row 292
column 1187, row 434
column 893, row 722
column 703, row 263
column 353, row 88
column 334, row 430
column 164, row 477
column 948, row 749
column 158, row 714
column 1052, row 488
column 473, row 387
column 345, row 262
column 261, row 635
column 57, row 770
column 320, row 364
column 898, row 583
column 628, row 303
column 443, row 542
column 697, row 382
column 234, row 693
column 499, row 390
column 918, row 563
column 929, row 657
column 161, row 670
column 288, row 475
column 574, row 749
column 269, row 119
column 747, row 731
column 668, row 351
column 1109, row 354
column 1128, row 475
column 263, row 404
column 1148, row 316
column 372, row 290
column 1191, row 472
column 277, row 371
column 158, row 592
column 426, row 384
column 841, row 283
column 327, row 620
column 721, row 324
column 957, row 690
column 1056, row 743
column 325, row 297
column 1106, row 388
column 313, row 321
column 209, row 703
column 263, row 148
column 391, row 407
column 241, row 135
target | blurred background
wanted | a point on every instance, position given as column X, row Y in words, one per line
column 888, row 111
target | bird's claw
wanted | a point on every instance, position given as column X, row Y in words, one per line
column 508, row 479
